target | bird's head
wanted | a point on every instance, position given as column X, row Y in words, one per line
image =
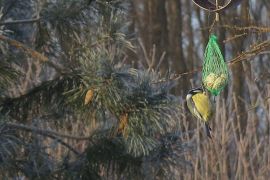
column 194, row 91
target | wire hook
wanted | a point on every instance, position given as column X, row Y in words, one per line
column 217, row 15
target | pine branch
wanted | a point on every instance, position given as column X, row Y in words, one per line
column 8, row 75
column 34, row 54
column 118, row 91
column 49, row 133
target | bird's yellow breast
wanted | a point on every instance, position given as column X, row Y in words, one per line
column 203, row 105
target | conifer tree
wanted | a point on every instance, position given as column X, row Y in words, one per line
column 129, row 113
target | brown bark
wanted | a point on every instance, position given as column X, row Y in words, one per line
column 203, row 25
column 150, row 25
column 239, row 89
column 175, row 41
column 190, row 35
column 159, row 23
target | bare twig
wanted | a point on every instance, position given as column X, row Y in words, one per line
column 161, row 59
column 234, row 37
column 20, row 21
column 253, row 29
column 148, row 61
column 255, row 50
column 62, row 142
column 153, row 59
column 248, row 28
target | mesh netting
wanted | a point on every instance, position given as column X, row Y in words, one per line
column 215, row 71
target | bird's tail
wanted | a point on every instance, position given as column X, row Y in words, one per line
column 208, row 130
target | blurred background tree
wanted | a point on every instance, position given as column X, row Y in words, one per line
column 95, row 89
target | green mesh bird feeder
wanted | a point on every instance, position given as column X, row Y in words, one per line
column 215, row 74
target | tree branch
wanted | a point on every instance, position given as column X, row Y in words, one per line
column 26, row 49
column 34, row 54
column 20, row 21
column 47, row 132
column 50, row 134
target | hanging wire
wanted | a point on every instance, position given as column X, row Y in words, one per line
column 216, row 18
column 217, row 15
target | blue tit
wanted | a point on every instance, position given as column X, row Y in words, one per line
column 199, row 104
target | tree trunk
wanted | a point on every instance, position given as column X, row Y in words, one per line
column 239, row 87
column 150, row 26
column 175, row 41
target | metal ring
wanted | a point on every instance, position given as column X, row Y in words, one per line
column 211, row 5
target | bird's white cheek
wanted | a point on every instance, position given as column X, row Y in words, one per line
column 188, row 96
